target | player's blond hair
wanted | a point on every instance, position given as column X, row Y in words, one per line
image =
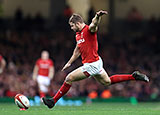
column 76, row 18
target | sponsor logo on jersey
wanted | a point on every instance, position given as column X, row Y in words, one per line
column 82, row 35
column 45, row 66
column 80, row 41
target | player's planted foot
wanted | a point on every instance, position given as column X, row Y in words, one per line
column 48, row 102
column 139, row 76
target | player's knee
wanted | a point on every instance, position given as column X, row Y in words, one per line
column 69, row 78
column 107, row 82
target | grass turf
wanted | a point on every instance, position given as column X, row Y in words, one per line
column 91, row 109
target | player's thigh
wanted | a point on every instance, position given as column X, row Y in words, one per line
column 103, row 78
column 76, row 75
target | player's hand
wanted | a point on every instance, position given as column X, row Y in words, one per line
column 66, row 66
column 101, row 12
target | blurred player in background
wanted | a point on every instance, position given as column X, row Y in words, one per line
column 2, row 64
column 43, row 73
column 87, row 47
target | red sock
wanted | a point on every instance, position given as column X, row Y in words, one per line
column 62, row 91
column 121, row 78
column 42, row 94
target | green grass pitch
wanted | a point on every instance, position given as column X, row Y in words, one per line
column 85, row 109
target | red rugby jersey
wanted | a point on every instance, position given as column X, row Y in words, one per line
column 44, row 66
column 88, row 45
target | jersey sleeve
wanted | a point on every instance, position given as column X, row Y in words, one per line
column 37, row 62
column 89, row 32
column 51, row 63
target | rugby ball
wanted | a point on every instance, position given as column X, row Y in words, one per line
column 21, row 101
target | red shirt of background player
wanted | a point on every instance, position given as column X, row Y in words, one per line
column 88, row 46
column 44, row 66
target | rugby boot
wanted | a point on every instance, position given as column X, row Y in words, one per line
column 49, row 102
column 139, row 76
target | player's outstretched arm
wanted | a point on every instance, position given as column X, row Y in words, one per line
column 75, row 55
column 93, row 27
column 51, row 72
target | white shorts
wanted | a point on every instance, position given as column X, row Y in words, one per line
column 43, row 83
column 94, row 68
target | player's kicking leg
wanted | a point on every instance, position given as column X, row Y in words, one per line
column 126, row 77
column 75, row 75
column 105, row 80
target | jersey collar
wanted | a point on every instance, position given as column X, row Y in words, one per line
column 81, row 30
column 83, row 27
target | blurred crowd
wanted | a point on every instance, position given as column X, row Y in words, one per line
column 23, row 38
